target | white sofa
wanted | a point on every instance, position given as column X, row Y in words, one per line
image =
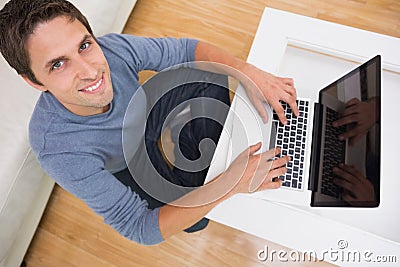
column 24, row 187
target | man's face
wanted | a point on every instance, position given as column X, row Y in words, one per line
column 70, row 64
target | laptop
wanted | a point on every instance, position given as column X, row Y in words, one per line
column 314, row 145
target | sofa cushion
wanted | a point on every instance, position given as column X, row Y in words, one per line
column 16, row 106
column 17, row 189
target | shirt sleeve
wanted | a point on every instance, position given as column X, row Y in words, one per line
column 121, row 208
column 149, row 53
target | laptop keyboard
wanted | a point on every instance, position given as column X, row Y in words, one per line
column 334, row 153
column 291, row 138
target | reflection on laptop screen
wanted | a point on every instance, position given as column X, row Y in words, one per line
column 345, row 165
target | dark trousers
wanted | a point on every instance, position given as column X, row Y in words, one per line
column 194, row 105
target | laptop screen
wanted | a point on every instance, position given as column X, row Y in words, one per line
column 349, row 140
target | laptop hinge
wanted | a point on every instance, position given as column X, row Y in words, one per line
column 315, row 148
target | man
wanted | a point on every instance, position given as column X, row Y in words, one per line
column 87, row 84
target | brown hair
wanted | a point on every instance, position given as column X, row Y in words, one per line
column 18, row 20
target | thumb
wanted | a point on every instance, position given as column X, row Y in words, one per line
column 254, row 148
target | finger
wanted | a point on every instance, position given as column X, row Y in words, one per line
column 345, row 174
column 342, row 174
column 349, row 134
column 269, row 154
column 268, row 182
column 280, row 162
column 288, row 81
column 344, row 121
column 293, row 105
column 288, row 89
column 280, row 112
column 277, row 150
column 349, row 111
column 274, row 173
column 272, row 184
column 352, row 102
column 254, row 148
column 343, row 184
column 259, row 177
column 348, row 198
column 352, row 170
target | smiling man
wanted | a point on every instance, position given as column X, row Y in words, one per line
column 74, row 69
column 87, row 84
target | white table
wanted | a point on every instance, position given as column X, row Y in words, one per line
column 315, row 53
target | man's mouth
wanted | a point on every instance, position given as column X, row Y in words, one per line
column 94, row 88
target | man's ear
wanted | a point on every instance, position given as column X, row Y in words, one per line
column 33, row 84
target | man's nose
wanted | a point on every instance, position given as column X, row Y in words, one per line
column 86, row 70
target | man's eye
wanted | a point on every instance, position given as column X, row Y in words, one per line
column 84, row 46
column 57, row 65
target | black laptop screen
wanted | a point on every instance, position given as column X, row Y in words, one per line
column 349, row 156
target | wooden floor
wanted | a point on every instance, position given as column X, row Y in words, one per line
column 70, row 234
